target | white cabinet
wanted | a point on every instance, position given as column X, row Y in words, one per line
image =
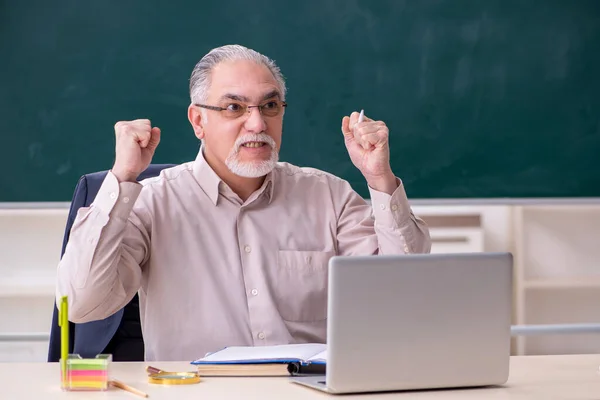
column 557, row 274
column 30, row 244
column 456, row 240
column 556, row 250
column 453, row 229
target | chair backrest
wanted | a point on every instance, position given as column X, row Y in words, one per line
column 84, row 194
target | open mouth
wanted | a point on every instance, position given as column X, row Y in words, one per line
column 254, row 145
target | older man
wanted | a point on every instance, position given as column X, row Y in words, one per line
column 232, row 248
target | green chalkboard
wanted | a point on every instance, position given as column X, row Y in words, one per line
column 484, row 98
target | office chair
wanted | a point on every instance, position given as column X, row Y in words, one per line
column 120, row 334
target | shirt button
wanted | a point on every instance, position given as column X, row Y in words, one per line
column 382, row 206
column 394, row 207
column 125, row 200
column 113, row 195
column 254, row 292
column 247, row 249
column 406, row 249
column 261, row 335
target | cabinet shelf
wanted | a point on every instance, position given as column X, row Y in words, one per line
column 592, row 282
column 27, row 286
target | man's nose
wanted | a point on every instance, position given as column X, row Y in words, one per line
column 255, row 121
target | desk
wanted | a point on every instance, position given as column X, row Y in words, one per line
column 531, row 377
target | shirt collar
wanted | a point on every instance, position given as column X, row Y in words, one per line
column 268, row 184
column 207, row 178
column 209, row 181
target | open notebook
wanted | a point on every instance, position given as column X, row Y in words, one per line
column 289, row 359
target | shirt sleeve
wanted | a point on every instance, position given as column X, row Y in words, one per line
column 100, row 270
column 387, row 226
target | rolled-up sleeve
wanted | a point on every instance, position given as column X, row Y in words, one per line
column 100, row 270
column 387, row 226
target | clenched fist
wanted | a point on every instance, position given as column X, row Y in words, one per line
column 136, row 142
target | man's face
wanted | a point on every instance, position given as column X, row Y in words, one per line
column 246, row 142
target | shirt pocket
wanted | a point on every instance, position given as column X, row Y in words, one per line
column 301, row 285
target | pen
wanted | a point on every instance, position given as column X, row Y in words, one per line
column 63, row 322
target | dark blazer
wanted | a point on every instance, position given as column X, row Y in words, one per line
column 120, row 334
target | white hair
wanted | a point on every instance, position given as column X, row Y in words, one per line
column 200, row 79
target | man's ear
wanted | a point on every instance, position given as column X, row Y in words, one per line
column 196, row 119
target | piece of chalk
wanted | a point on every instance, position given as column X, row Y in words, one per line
column 361, row 116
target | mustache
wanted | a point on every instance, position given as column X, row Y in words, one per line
column 254, row 137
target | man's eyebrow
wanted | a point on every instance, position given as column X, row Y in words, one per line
column 271, row 94
column 236, row 97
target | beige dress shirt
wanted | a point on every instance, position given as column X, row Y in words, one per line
column 215, row 271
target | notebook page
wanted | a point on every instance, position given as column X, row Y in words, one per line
column 281, row 353
column 320, row 358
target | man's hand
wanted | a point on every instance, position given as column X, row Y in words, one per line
column 136, row 142
column 368, row 147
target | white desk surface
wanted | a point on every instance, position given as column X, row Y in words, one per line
column 531, row 377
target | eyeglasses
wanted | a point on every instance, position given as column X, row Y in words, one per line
column 271, row 108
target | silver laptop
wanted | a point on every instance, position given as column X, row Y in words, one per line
column 423, row 321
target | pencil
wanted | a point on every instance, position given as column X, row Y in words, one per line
column 121, row 385
column 63, row 321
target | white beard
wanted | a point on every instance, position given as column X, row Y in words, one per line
column 252, row 169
